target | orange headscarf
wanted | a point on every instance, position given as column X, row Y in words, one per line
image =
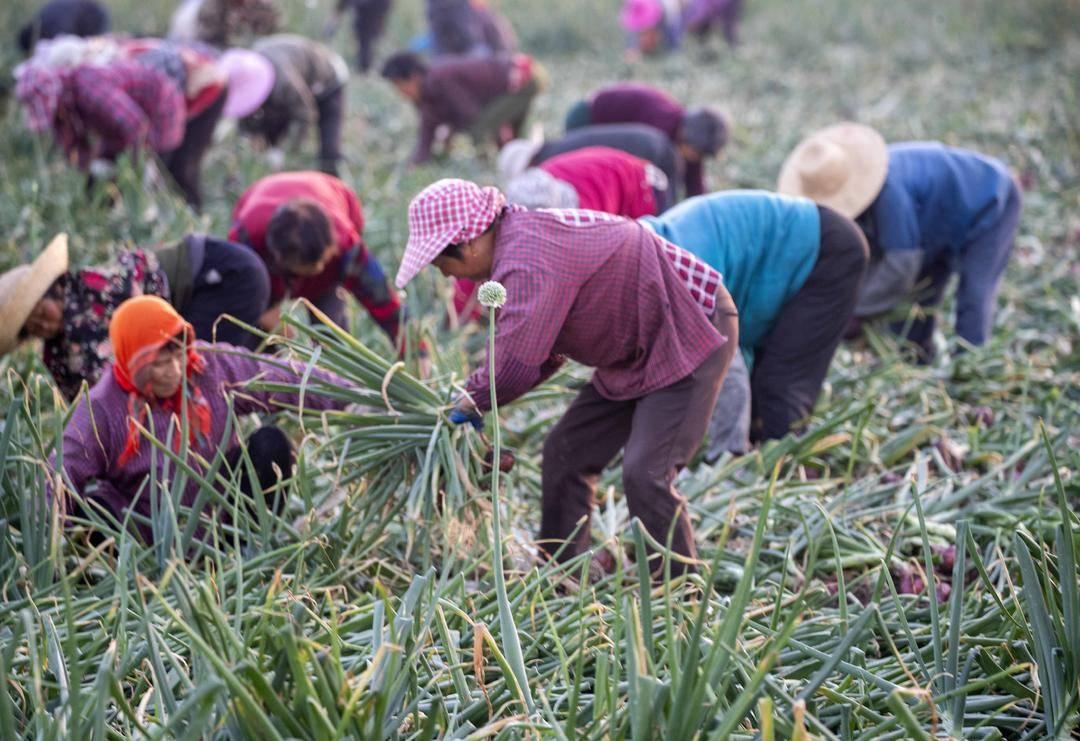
column 139, row 328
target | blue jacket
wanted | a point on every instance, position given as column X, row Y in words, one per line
column 764, row 244
column 935, row 201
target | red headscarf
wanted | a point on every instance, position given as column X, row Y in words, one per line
column 139, row 328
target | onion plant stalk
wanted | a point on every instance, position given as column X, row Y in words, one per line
column 492, row 294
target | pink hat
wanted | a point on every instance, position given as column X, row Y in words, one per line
column 640, row 15
column 449, row 211
column 251, row 78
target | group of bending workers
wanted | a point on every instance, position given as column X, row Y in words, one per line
column 100, row 95
column 658, row 306
column 741, row 296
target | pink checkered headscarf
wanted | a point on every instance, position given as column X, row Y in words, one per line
column 447, row 212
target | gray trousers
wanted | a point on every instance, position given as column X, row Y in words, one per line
column 729, row 428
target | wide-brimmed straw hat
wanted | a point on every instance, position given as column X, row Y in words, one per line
column 842, row 167
column 251, row 78
column 21, row 288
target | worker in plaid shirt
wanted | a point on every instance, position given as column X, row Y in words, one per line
column 99, row 111
column 307, row 227
column 488, row 97
column 655, row 322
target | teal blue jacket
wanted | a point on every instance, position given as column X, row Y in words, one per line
column 764, row 244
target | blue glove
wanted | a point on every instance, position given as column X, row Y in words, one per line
column 459, row 416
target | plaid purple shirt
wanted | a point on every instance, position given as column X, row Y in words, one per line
column 122, row 107
column 599, row 289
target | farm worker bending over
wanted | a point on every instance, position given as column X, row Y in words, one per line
column 205, row 86
column 496, row 32
column 468, row 28
column 794, row 270
column 202, row 277
column 369, row 22
column 641, row 141
column 927, row 210
column 702, row 16
column 487, row 97
column 161, row 376
column 652, row 319
column 217, row 22
column 306, row 89
column 97, row 105
column 697, row 133
column 650, row 27
column 307, row 227
column 594, row 178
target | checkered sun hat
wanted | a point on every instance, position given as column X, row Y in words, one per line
column 447, row 212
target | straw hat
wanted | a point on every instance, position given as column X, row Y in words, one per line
column 21, row 288
column 842, row 167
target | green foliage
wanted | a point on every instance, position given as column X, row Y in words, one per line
column 370, row 609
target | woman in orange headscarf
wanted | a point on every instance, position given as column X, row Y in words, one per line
column 162, row 383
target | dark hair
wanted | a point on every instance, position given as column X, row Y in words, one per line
column 27, row 37
column 452, row 250
column 403, row 65
column 83, row 18
column 178, row 341
column 270, row 122
column 298, row 232
column 868, row 226
column 705, row 129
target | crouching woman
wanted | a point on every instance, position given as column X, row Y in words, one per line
column 160, row 380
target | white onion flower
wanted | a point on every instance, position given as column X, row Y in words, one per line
column 492, row 294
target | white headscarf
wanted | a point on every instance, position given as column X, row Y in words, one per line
column 536, row 188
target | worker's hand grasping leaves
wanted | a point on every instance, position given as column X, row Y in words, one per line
column 492, row 295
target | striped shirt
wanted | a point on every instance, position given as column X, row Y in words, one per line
column 603, row 291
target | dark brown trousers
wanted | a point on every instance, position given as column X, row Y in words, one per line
column 185, row 162
column 658, row 433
